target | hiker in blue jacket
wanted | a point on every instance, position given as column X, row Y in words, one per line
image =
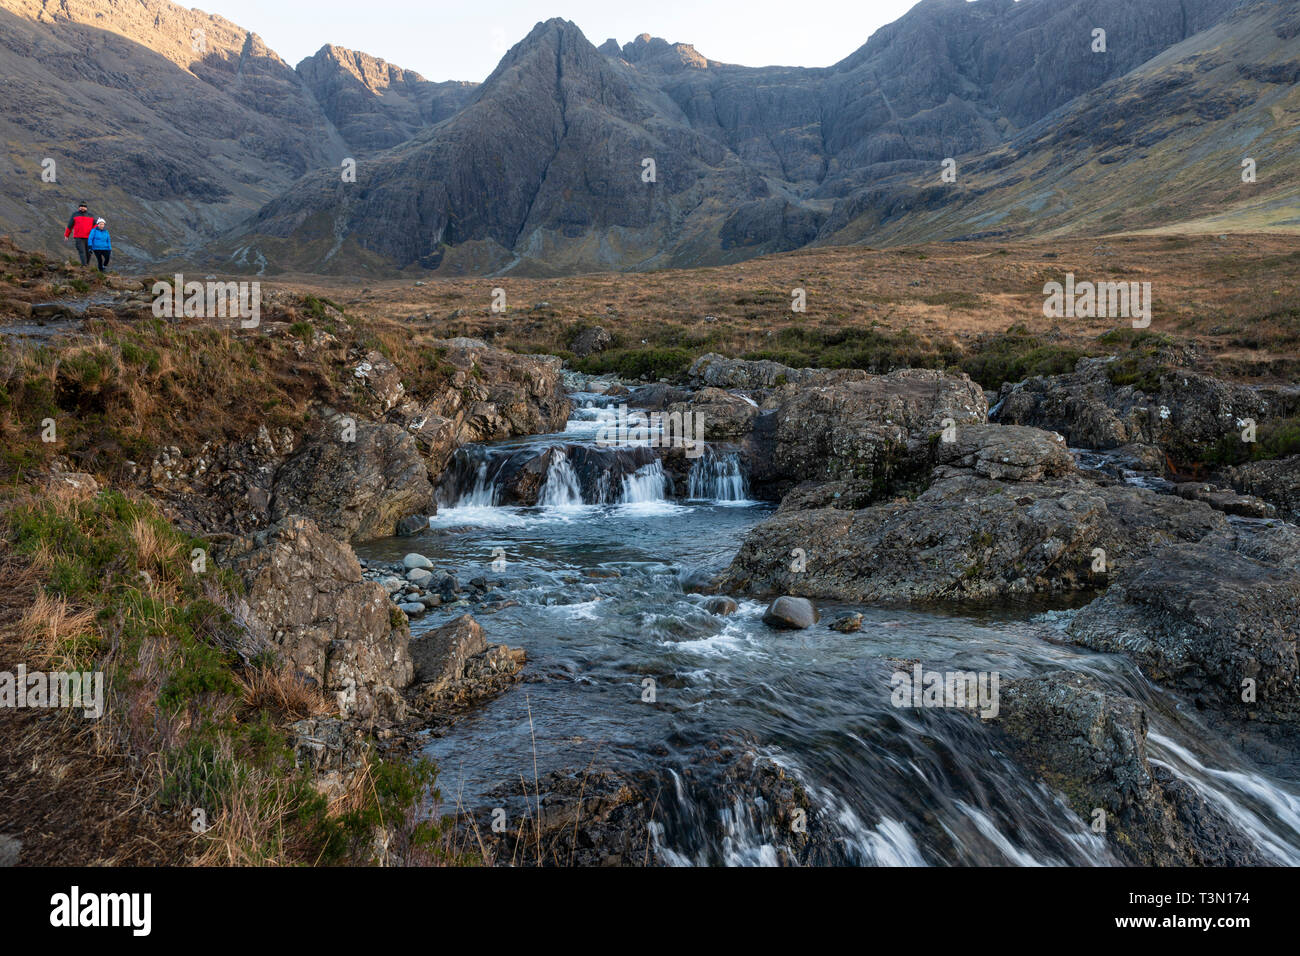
column 100, row 244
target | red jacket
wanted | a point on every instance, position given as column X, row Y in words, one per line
column 79, row 225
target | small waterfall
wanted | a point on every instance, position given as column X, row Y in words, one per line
column 715, row 478
column 562, row 488
column 483, row 494
column 647, row 483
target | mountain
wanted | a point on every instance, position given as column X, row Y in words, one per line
column 175, row 124
column 542, row 168
column 374, row 104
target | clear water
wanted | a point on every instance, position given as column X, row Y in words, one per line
column 893, row 786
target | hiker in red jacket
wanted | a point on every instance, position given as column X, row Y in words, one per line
column 79, row 225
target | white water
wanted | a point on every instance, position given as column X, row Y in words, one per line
column 562, row 488
column 714, row 478
column 646, row 484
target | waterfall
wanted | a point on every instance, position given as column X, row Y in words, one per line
column 645, row 484
column 715, row 478
column 483, row 494
column 561, row 488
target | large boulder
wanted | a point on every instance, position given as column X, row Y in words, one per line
column 1091, row 746
column 1006, row 452
column 354, row 489
column 456, row 664
column 305, row 598
column 965, row 538
column 1208, row 621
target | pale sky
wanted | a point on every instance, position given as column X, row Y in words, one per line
column 466, row 39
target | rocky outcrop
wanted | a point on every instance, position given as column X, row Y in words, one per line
column 355, row 479
column 490, row 395
column 1091, row 746
column 1184, row 412
column 306, row 600
column 828, row 425
column 1006, row 452
column 1277, row 482
column 965, row 538
column 1218, row 625
column 455, row 665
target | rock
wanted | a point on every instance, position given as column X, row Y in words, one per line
column 701, row 581
column 455, row 663
column 305, row 598
column 790, row 613
column 411, row 607
column 412, row 525
column 1091, row 746
column 17, row 307
column 355, row 490
column 391, row 583
column 1186, row 413
column 1276, row 481
column 847, row 623
column 594, row 339
column 964, row 538
column 382, row 380
column 719, row 372
column 415, row 561
column 11, row 849
column 1229, row 502
column 1006, row 452
column 419, row 577
column 1203, row 619
column 721, row 605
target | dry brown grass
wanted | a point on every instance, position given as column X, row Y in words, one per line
column 284, row 692
column 50, row 627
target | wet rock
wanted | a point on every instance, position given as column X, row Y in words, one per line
column 790, row 613
column 725, row 415
column 1091, row 746
column 419, row 577
column 411, row 608
column 413, row 561
column 965, row 538
column 847, row 623
column 355, row 490
column 412, row 525
column 1204, row 620
column 454, row 664
column 587, row 818
column 721, row 606
column 306, row 599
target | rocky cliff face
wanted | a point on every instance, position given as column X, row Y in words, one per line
column 540, row 169
column 375, row 104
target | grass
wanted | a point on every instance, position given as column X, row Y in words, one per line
column 203, row 721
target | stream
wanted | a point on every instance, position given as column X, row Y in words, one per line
column 597, row 568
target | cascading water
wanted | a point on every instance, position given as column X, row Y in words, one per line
column 598, row 605
column 562, row 489
column 644, row 485
column 716, row 477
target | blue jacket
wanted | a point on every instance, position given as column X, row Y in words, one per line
column 98, row 239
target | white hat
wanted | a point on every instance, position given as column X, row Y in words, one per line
column 100, row 222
